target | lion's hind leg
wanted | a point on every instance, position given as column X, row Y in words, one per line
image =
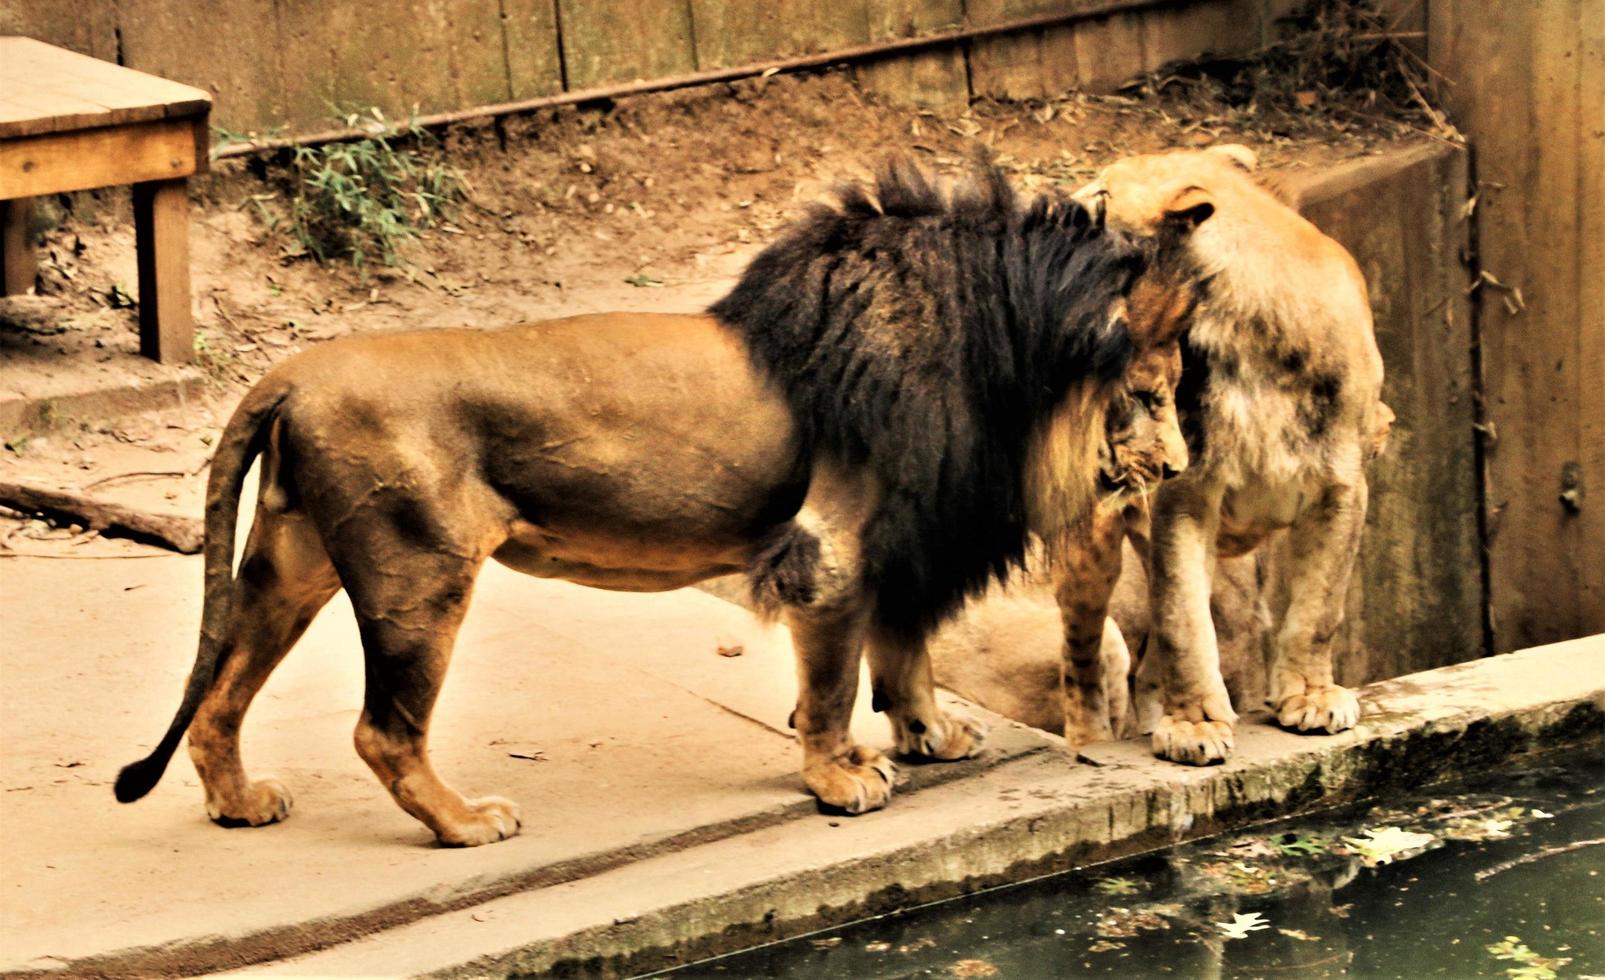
column 285, row 578
column 829, row 641
column 903, row 687
column 410, row 597
column 1325, row 542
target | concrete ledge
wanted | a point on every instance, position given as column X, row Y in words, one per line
column 23, row 415
column 1029, row 816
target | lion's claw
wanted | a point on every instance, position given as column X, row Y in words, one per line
column 1322, row 709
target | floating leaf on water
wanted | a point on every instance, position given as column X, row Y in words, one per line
column 1300, row 845
column 1123, row 923
column 1104, row 946
column 878, row 946
column 1531, row 966
column 827, row 942
column 1242, row 924
column 973, row 968
column 1382, row 844
column 1300, row 935
column 1115, row 886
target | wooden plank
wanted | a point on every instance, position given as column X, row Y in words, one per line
column 18, row 263
column 250, row 90
column 114, row 86
column 533, row 64
column 161, row 239
column 624, row 40
column 1591, row 311
column 1030, row 65
column 936, row 79
column 1109, row 51
column 26, row 110
column 1184, row 33
column 442, row 55
column 739, row 32
column 1517, row 88
column 36, row 165
column 86, row 26
column 48, row 72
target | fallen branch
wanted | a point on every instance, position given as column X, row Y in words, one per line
column 181, row 534
column 1547, row 852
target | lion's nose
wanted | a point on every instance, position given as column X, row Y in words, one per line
column 1170, row 471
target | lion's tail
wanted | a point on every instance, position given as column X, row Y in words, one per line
column 241, row 442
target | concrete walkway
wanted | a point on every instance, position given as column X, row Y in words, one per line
column 663, row 814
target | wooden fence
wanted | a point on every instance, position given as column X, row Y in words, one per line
column 1527, row 85
column 289, row 64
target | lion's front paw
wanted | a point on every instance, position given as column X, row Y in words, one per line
column 1194, row 743
column 266, row 801
column 855, row 782
column 1081, row 730
column 951, row 736
column 1329, row 709
column 489, row 819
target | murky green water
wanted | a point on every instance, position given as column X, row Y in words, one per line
column 1419, row 886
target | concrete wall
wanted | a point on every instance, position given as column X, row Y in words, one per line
column 284, row 64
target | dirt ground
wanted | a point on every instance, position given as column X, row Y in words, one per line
column 654, row 203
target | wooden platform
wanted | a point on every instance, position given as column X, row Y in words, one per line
column 69, row 122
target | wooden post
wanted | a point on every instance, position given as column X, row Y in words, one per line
column 161, row 238
column 17, row 261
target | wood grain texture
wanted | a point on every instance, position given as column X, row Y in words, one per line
column 1213, row 27
column 86, row 26
column 935, row 79
column 1526, row 90
column 242, row 62
column 534, row 65
column 1030, row 65
column 57, row 162
column 1109, row 51
column 45, row 89
column 18, row 263
column 623, row 40
column 161, row 238
column 739, row 32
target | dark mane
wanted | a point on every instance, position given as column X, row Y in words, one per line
column 928, row 335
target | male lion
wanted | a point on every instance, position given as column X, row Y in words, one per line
column 895, row 394
column 1047, row 650
column 1281, row 394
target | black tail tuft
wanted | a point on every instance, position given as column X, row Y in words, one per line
column 141, row 777
column 784, row 572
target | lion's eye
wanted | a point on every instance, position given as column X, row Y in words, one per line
column 1149, row 400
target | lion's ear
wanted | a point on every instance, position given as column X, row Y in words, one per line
column 1238, row 154
column 1189, row 208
